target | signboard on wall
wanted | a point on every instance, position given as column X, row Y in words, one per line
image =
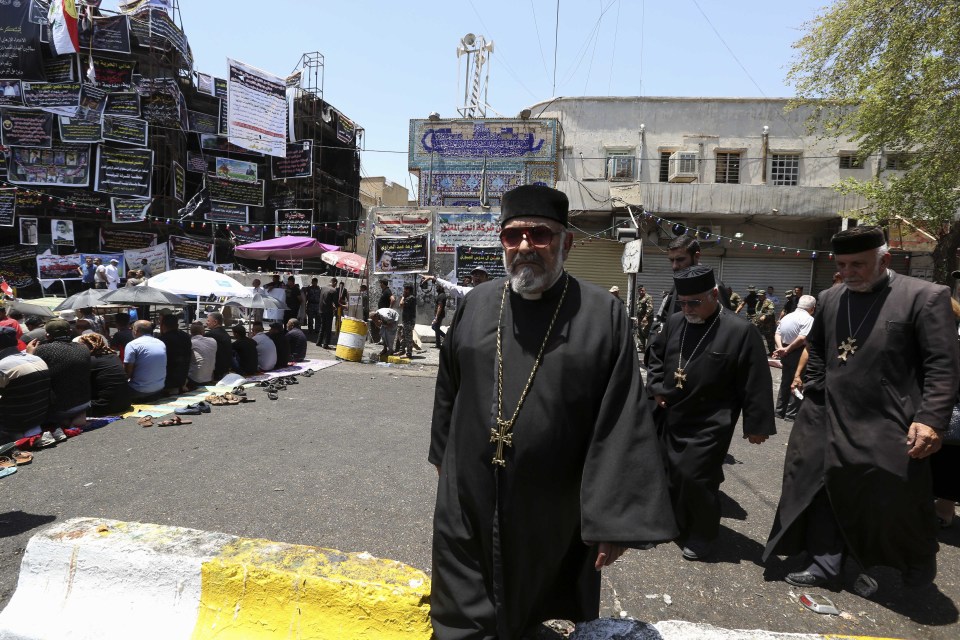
column 402, row 255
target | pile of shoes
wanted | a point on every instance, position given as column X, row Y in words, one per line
column 11, row 458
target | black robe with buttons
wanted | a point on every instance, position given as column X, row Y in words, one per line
column 509, row 543
column 850, row 434
column 726, row 376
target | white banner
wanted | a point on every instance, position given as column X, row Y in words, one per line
column 157, row 258
column 257, row 108
column 471, row 229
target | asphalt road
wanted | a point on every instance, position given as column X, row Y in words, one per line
column 340, row 462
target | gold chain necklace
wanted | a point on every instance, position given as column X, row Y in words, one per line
column 503, row 433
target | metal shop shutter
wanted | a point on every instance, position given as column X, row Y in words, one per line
column 657, row 276
column 823, row 270
column 762, row 271
column 598, row 262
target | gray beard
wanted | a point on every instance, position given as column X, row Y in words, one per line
column 694, row 319
column 524, row 280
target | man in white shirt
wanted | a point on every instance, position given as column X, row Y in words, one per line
column 266, row 349
column 113, row 275
column 791, row 338
column 386, row 320
column 204, row 357
column 257, row 314
column 455, row 291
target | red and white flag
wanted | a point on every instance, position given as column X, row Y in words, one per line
column 5, row 288
column 64, row 37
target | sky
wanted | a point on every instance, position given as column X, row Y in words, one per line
column 387, row 61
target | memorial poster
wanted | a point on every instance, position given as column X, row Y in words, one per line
column 62, row 165
column 133, row 210
column 257, row 105
column 26, row 128
column 297, row 163
column 236, row 191
column 409, row 254
column 124, row 172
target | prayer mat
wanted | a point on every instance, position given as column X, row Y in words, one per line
column 295, row 369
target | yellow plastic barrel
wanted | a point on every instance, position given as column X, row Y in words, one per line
column 353, row 334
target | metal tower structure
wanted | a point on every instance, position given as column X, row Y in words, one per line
column 477, row 75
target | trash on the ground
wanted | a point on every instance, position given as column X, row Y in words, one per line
column 623, row 614
column 865, row 586
column 88, row 484
column 667, row 599
column 278, row 488
column 819, row 604
column 652, row 596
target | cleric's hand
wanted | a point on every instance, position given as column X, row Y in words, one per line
column 756, row 439
column 607, row 554
column 923, row 440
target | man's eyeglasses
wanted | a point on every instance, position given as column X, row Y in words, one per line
column 539, row 236
column 690, row 303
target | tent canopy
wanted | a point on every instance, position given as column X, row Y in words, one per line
column 283, row 248
column 198, row 282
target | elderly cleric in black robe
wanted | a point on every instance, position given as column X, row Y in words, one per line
column 544, row 478
column 706, row 367
column 880, row 382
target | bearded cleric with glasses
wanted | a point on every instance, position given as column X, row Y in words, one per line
column 706, row 368
column 546, row 449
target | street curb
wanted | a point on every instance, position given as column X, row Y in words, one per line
column 96, row 578
column 681, row 630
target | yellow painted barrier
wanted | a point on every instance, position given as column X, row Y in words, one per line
column 353, row 333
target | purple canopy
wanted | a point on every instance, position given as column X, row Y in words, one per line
column 283, row 248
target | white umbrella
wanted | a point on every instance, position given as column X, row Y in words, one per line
column 198, row 282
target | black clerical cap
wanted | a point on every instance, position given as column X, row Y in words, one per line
column 8, row 337
column 534, row 200
column 857, row 239
column 694, row 280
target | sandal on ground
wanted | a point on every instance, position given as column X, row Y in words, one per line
column 6, row 462
column 6, row 471
column 174, row 421
column 189, row 410
column 145, row 421
column 230, row 398
column 22, row 457
column 272, row 395
column 238, row 390
column 307, row 373
column 289, row 380
column 215, row 400
column 263, row 383
column 245, row 400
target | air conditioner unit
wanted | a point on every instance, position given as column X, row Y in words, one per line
column 684, row 166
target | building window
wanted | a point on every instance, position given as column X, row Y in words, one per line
column 896, row 162
column 785, row 169
column 850, row 161
column 665, row 166
column 728, row 168
column 620, row 165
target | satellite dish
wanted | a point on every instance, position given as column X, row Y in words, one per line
column 468, row 40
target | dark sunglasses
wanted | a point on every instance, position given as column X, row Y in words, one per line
column 690, row 303
column 539, row 236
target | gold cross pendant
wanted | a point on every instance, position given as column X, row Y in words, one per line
column 502, row 436
column 679, row 377
column 847, row 348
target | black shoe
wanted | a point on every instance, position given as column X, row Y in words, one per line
column 807, row 579
column 272, row 395
column 697, row 550
column 920, row 575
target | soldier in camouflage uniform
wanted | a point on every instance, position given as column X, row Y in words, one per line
column 644, row 315
column 765, row 318
column 735, row 301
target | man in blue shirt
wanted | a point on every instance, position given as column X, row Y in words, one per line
column 87, row 271
column 145, row 361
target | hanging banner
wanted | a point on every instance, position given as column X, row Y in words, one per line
column 11, row 93
column 126, row 211
column 179, row 182
column 30, row 203
column 236, row 191
column 223, row 119
column 294, row 222
column 61, row 233
column 198, row 163
column 401, row 222
column 76, row 203
column 20, row 48
column 8, row 207
column 122, row 103
column 26, row 128
column 229, row 213
column 4, row 160
column 257, row 105
column 289, row 265
column 127, row 130
column 66, row 267
column 470, row 229
column 205, row 83
column 402, row 255
column 63, row 165
column 108, row 34
column 298, row 162
column 118, row 240
column 123, row 172
column 92, row 98
column 154, row 29
column 245, row 233
column 29, row 233
column 157, row 258
column 61, row 69
column 220, row 88
column 113, row 75
column 469, row 258
column 236, row 169
column 203, row 122
column 346, row 130
column 188, row 250
column 42, row 95
column 17, row 264
column 81, row 130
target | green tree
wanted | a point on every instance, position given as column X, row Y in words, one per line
column 886, row 73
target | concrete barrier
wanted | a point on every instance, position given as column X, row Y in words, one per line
column 95, row 578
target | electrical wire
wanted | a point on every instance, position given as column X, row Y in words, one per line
column 613, row 52
column 533, row 10
column 501, row 56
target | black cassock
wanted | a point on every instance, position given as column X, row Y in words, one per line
column 508, row 543
column 728, row 375
column 850, row 433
